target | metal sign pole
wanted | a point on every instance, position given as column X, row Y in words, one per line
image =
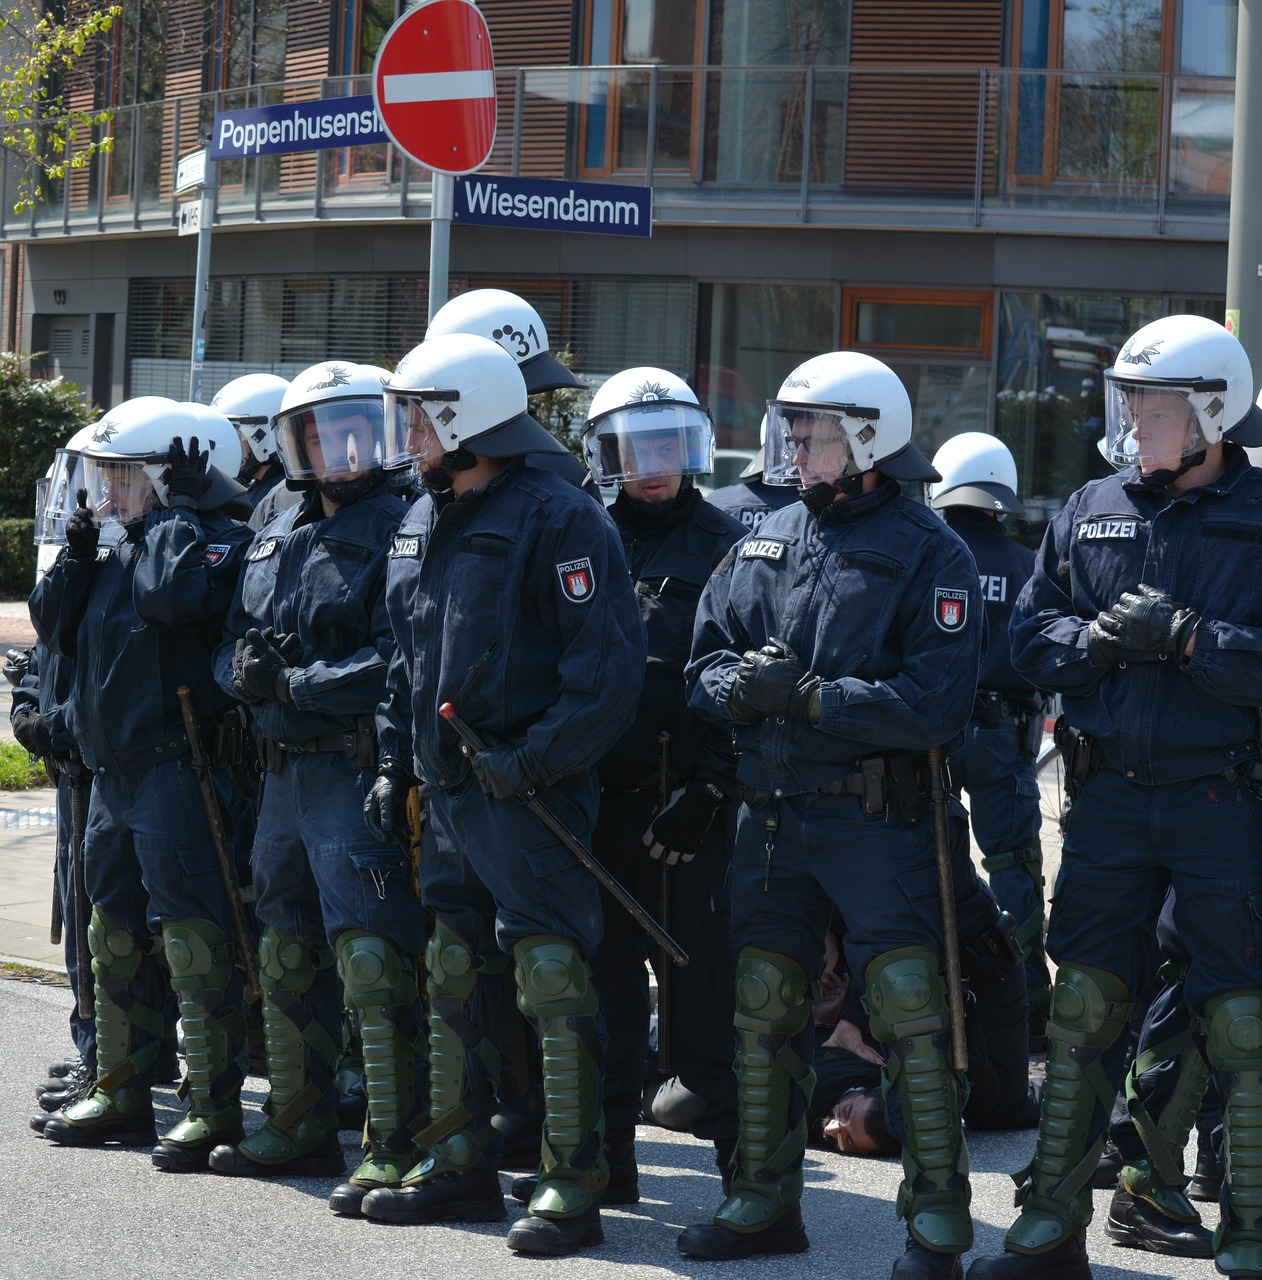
column 442, row 201
column 201, row 284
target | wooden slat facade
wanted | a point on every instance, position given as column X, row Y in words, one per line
column 309, row 41
column 918, row 132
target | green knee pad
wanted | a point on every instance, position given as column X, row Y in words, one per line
column 1090, row 1009
column 773, row 1005
column 554, row 990
column 301, row 1054
column 1235, row 1049
column 908, row 1013
column 200, row 959
column 117, row 955
column 379, row 982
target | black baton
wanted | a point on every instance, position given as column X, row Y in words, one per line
column 946, row 895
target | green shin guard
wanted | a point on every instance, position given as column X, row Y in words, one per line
column 1235, row 1050
column 200, row 958
column 1158, row 1176
column 380, row 985
column 1090, row 1010
column 554, row 991
column 773, row 1005
column 460, row 1130
column 301, row 1053
column 908, row 1014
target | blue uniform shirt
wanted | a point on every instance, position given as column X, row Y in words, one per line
column 876, row 596
column 1155, row 721
column 514, row 603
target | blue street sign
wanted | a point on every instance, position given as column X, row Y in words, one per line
column 547, row 204
column 296, row 126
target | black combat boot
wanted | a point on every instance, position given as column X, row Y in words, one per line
column 719, row 1244
column 557, row 1237
column 472, row 1196
column 1138, row 1224
column 1068, row 1261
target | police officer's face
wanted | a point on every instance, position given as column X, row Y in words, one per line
column 1162, row 427
column 820, row 451
column 658, row 458
column 128, row 492
column 423, row 443
column 343, row 452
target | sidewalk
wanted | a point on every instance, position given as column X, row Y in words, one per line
column 28, row 838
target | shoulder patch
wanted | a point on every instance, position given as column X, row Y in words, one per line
column 215, row 552
column 950, row 608
column 1102, row 528
column 762, row 549
column 261, row 550
column 405, row 544
column 578, row 581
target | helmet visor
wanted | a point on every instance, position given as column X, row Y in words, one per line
column 808, row 445
column 410, row 431
column 118, row 490
column 334, row 439
column 649, row 440
column 1157, row 425
column 58, row 502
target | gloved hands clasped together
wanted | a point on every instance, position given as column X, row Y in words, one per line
column 264, row 663
column 772, row 681
column 678, row 830
column 1145, row 625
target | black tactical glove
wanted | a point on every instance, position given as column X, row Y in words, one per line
column 773, row 682
column 386, row 805
column 681, row 826
column 506, row 769
column 186, row 475
column 82, row 531
column 31, row 730
column 263, row 664
column 17, row 662
column 1145, row 625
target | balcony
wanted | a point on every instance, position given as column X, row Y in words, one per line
column 877, row 147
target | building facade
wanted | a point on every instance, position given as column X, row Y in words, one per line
column 987, row 194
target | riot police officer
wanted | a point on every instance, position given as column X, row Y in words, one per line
column 136, row 602
column 995, row 765
column 250, row 402
column 1143, row 612
column 306, row 648
column 840, row 642
column 509, row 598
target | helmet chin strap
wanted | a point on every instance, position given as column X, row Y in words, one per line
column 1166, row 476
column 819, row 497
column 438, row 478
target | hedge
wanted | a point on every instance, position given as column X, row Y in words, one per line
column 17, row 558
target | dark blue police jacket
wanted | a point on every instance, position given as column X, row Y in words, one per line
column 752, row 501
column 1155, row 721
column 322, row 578
column 139, row 621
column 876, row 596
column 512, row 602
column 1002, row 569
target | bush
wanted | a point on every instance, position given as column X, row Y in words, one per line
column 17, row 558
column 17, row 772
column 37, row 415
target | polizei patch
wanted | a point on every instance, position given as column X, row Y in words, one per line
column 950, row 608
column 578, row 582
column 762, row 549
column 215, row 552
column 1101, row 528
column 404, row 544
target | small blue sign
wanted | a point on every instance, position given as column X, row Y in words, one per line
column 296, row 126
column 547, row 204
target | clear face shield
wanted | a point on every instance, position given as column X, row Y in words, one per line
column 809, row 445
column 118, row 489
column 649, row 440
column 332, row 440
column 411, row 436
column 1157, row 425
column 55, row 498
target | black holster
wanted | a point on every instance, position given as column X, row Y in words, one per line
column 1081, row 756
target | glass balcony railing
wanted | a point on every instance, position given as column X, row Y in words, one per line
column 922, row 146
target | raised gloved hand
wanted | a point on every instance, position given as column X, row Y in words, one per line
column 30, row 728
column 263, row 664
column 679, row 829
column 506, row 769
column 773, row 682
column 386, row 805
column 186, row 476
column 82, row 531
column 1145, row 625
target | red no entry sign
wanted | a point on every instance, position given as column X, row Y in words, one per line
column 434, row 86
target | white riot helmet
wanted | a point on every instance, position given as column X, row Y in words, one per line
column 127, row 453
column 644, row 423
column 464, row 393
column 250, row 403
column 57, row 493
column 1179, row 385
column 836, row 417
column 511, row 322
column 977, row 471
column 331, row 429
